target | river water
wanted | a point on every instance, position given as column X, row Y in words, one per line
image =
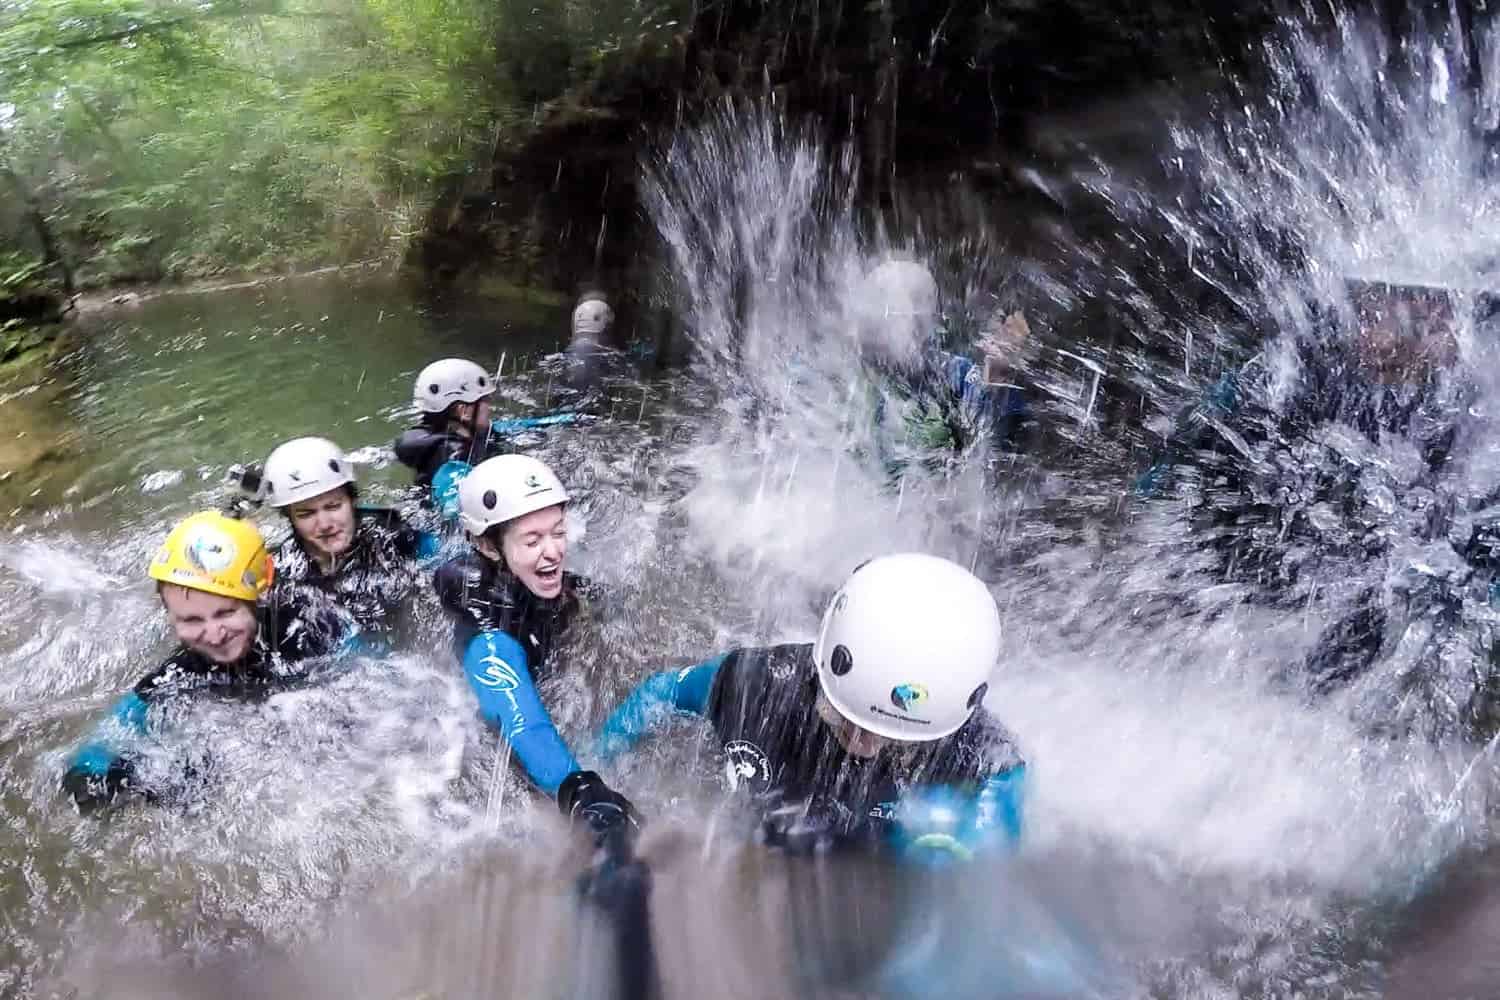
column 1197, row 828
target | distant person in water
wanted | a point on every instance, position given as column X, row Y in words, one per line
column 593, row 322
column 873, row 737
column 456, row 430
column 363, row 561
column 511, row 602
column 212, row 575
column 930, row 404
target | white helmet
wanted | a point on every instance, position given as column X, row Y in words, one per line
column 503, row 488
column 901, row 288
column 303, row 468
column 896, row 306
column 449, row 381
column 593, row 316
column 907, row 646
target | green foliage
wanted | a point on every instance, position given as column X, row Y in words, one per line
column 167, row 139
column 159, row 139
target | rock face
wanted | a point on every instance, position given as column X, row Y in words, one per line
column 925, row 90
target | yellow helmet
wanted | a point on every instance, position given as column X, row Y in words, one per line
column 215, row 553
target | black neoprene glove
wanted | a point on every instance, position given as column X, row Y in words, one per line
column 92, row 791
column 610, row 817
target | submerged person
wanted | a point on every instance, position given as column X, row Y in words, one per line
column 457, row 431
column 362, row 560
column 872, row 737
column 212, row 574
column 511, row 602
column 930, row 404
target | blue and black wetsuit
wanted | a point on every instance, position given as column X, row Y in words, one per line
column 288, row 636
column 503, row 636
column 370, row 582
column 920, row 800
column 440, row 459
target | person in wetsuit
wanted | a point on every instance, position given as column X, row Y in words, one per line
column 931, row 405
column 511, row 601
column 212, row 574
column 361, row 560
column 873, row 737
column 456, row 431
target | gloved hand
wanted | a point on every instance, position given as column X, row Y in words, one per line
column 610, row 817
column 805, row 828
column 91, row 790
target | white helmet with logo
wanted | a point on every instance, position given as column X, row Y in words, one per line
column 449, row 381
column 506, row 487
column 303, row 468
column 593, row 316
column 907, row 646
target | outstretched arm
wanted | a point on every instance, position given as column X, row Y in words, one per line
column 496, row 667
column 658, row 698
column 514, row 425
column 99, row 770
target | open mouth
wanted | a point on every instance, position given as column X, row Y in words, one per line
column 549, row 576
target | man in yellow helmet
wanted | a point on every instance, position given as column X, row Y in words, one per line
column 211, row 574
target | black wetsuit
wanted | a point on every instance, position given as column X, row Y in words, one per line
column 482, row 596
column 372, row 579
column 288, row 634
column 425, row 451
column 763, row 709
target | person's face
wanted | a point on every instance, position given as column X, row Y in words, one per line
column 220, row 628
column 469, row 419
column 857, row 741
column 325, row 523
column 533, row 547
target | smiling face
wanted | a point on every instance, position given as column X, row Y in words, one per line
column 325, row 523
column 220, row 628
column 533, row 547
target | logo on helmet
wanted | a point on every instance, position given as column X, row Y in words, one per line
column 209, row 552
column 908, row 696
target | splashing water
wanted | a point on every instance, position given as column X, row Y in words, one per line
column 1202, row 823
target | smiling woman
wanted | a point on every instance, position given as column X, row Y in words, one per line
column 361, row 560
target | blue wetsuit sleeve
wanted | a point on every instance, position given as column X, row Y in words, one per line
column 940, row 824
column 657, row 698
column 429, row 549
column 496, row 667
column 126, row 718
column 100, row 769
column 445, row 482
column 514, row 425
